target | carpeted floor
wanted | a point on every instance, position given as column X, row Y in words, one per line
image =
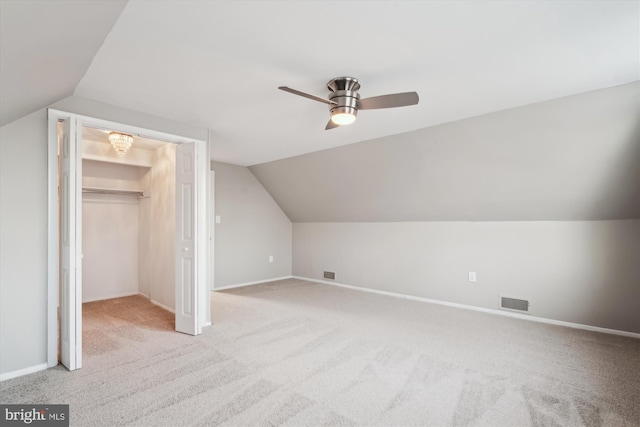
column 109, row 325
column 297, row 353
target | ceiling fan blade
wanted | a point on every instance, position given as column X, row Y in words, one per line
column 306, row 95
column 331, row 125
column 389, row 101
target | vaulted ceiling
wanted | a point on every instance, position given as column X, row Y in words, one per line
column 46, row 47
column 217, row 64
column 575, row 158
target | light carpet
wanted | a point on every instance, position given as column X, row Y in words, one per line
column 297, row 353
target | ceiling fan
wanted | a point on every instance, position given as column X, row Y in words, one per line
column 344, row 100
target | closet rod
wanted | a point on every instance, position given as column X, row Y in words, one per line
column 93, row 190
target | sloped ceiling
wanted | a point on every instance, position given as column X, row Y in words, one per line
column 575, row 158
column 217, row 64
column 45, row 49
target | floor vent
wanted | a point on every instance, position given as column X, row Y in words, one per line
column 514, row 304
column 330, row 275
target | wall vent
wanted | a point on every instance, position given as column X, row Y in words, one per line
column 514, row 304
column 330, row 275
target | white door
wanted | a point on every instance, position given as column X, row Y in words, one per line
column 186, row 271
column 212, row 222
column 70, row 205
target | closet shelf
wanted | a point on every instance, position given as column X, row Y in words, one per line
column 96, row 190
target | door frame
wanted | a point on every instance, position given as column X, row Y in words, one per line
column 201, row 209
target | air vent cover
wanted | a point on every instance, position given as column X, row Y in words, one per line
column 514, row 304
column 330, row 275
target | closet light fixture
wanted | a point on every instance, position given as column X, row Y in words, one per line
column 121, row 142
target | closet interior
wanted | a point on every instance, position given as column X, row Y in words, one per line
column 128, row 219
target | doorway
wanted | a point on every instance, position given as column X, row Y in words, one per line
column 65, row 231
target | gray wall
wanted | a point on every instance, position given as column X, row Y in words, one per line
column 109, row 247
column 585, row 272
column 573, row 158
column 145, row 251
column 23, row 242
column 162, row 287
column 252, row 228
column 110, row 230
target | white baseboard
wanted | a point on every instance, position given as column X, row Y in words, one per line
column 110, row 297
column 240, row 285
column 24, row 371
column 482, row 309
column 162, row 306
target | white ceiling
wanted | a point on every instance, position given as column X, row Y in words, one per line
column 217, row 64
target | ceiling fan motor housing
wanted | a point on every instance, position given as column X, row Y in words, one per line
column 344, row 94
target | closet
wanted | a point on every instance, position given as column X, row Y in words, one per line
column 128, row 220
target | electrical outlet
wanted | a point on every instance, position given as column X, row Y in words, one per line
column 472, row 276
column 218, row 219
column 270, row 259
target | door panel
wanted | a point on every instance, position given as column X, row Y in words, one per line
column 186, row 272
column 70, row 202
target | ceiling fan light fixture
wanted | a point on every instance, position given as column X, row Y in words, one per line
column 344, row 100
column 343, row 116
column 121, row 142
